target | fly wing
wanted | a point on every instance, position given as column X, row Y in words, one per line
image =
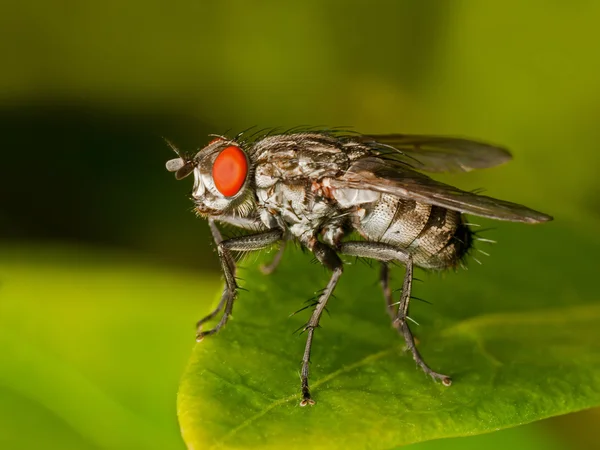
column 439, row 153
column 391, row 177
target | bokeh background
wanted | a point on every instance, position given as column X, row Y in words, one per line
column 95, row 233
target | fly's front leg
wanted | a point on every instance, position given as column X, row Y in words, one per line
column 329, row 258
column 243, row 243
column 218, row 238
column 387, row 253
column 214, row 230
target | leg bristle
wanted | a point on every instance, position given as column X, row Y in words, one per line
column 489, row 241
column 413, row 321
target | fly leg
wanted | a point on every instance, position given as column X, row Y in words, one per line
column 387, row 253
column 243, row 243
column 218, row 238
column 213, row 313
column 214, row 230
column 384, row 279
column 329, row 258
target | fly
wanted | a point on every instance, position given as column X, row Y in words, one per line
column 319, row 187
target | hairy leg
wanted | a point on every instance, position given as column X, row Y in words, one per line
column 387, row 253
column 243, row 243
column 329, row 258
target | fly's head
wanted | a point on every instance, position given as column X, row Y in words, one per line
column 221, row 171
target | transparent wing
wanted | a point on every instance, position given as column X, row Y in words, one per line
column 439, row 153
column 395, row 178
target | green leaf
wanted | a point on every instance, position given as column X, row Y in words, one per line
column 519, row 335
column 92, row 346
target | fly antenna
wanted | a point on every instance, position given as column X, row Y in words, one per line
column 182, row 166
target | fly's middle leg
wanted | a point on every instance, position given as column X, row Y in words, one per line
column 387, row 253
column 329, row 258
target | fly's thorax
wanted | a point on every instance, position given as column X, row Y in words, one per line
column 289, row 173
column 281, row 198
column 300, row 208
column 301, row 156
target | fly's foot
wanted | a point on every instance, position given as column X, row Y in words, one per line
column 306, row 399
column 200, row 335
column 445, row 379
column 402, row 327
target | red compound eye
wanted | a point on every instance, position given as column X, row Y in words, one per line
column 229, row 171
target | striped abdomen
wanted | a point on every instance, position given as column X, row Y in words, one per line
column 436, row 237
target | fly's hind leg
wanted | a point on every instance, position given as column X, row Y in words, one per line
column 402, row 326
column 387, row 253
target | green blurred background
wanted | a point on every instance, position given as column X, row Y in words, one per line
column 95, row 233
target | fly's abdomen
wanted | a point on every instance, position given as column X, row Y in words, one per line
column 456, row 248
column 436, row 237
column 438, row 245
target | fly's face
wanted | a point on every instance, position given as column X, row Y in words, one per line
column 221, row 176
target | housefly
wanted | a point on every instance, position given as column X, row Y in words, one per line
column 319, row 187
